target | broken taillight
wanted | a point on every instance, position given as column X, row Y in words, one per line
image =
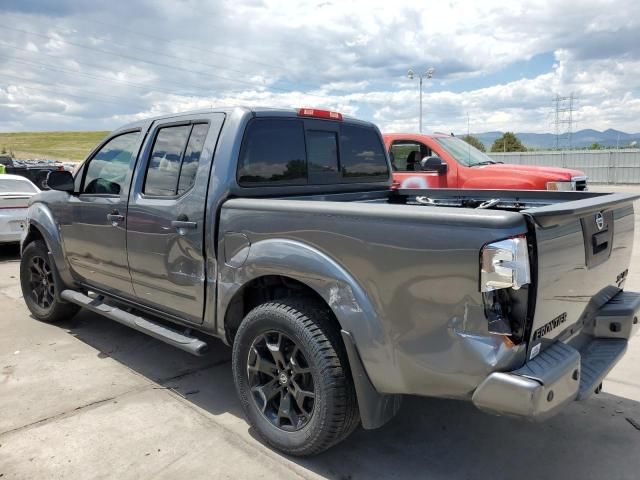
column 504, row 264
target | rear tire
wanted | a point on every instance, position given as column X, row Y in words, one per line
column 40, row 286
column 293, row 379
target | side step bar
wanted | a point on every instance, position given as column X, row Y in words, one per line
column 193, row 345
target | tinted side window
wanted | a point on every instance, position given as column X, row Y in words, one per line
column 322, row 151
column 401, row 152
column 362, row 153
column 273, row 152
column 192, row 157
column 164, row 165
column 108, row 168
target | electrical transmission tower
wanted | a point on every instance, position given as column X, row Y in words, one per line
column 564, row 120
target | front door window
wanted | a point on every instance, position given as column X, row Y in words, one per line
column 406, row 156
column 107, row 170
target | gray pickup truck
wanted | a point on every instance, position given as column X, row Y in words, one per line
column 276, row 231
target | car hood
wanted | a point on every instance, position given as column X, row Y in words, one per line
column 550, row 173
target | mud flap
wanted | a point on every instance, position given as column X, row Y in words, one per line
column 376, row 408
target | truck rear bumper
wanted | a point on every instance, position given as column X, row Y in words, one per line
column 563, row 373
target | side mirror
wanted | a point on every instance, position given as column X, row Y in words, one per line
column 434, row 164
column 60, row 180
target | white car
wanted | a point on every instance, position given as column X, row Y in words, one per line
column 15, row 192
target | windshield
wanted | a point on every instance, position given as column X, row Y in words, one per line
column 9, row 185
column 463, row 152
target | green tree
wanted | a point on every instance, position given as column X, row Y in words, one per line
column 596, row 146
column 474, row 142
column 508, row 142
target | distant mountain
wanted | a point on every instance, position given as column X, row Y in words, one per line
column 580, row 139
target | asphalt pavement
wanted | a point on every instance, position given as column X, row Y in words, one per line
column 89, row 398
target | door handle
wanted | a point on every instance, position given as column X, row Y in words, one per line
column 600, row 241
column 184, row 224
column 115, row 217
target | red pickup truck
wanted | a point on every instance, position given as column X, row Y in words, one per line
column 445, row 161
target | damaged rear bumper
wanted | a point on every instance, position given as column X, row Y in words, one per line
column 563, row 372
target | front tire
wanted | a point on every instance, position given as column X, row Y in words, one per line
column 40, row 287
column 293, row 379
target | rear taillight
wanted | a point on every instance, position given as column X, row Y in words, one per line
column 504, row 264
column 316, row 113
column 504, row 269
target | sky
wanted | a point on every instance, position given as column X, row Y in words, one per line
column 86, row 65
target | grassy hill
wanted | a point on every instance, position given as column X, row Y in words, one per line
column 52, row 145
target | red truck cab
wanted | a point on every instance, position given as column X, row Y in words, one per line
column 445, row 161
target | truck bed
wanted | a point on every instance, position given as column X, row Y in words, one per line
column 415, row 255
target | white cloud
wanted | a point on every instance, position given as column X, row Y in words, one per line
column 350, row 56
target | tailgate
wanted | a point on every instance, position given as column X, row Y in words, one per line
column 582, row 260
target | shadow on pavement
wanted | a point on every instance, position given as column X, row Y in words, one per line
column 9, row 252
column 205, row 381
column 430, row 438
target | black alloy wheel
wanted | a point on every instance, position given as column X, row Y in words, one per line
column 281, row 381
column 41, row 282
column 292, row 376
column 40, row 285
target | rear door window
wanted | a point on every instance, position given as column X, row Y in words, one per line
column 174, row 160
column 163, row 169
column 192, row 157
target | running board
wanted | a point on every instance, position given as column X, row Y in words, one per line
column 193, row 345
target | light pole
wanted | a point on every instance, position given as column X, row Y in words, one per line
column 428, row 74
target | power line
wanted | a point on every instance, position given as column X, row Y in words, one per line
column 101, row 94
column 138, row 59
column 73, row 95
column 198, row 49
column 128, row 57
column 55, row 68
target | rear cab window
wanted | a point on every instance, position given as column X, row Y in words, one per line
column 292, row 151
column 361, row 155
column 273, row 153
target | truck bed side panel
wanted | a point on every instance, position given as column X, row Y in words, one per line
column 418, row 267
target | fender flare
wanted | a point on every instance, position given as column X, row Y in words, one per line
column 361, row 326
column 355, row 311
column 39, row 217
